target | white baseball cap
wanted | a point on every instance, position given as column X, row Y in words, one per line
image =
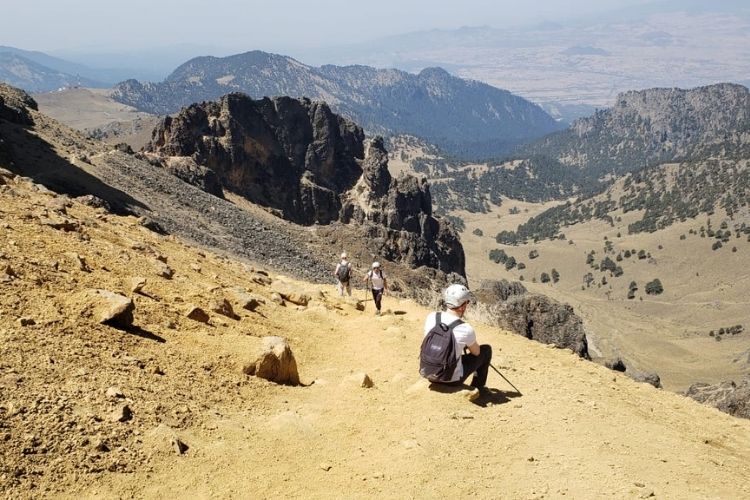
column 375, row 264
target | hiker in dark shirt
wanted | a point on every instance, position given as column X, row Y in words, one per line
column 343, row 275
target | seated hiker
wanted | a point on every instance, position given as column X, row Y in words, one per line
column 446, row 336
column 378, row 284
column 343, row 274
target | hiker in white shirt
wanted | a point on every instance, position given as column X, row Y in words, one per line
column 378, row 284
column 343, row 275
column 478, row 358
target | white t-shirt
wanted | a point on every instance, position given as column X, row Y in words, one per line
column 463, row 333
column 377, row 279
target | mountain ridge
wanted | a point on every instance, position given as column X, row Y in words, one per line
column 462, row 116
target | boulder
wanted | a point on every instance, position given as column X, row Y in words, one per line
column 615, row 364
column 728, row 397
column 110, row 308
column 646, row 377
column 274, row 362
column 539, row 318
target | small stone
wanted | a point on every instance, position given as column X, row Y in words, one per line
column 25, row 321
column 122, row 414
column 163, row 270
column 100, row 445
column 223, row 307
column 531, row 459
column 277, row 299
column 157, row 371
column 79, row 263
column 197, row 314
column 179, row 446
column 136, row 284
column 114, row 393
column 325, row 466
column 195, row 267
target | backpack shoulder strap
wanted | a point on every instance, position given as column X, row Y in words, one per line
column 455, row 324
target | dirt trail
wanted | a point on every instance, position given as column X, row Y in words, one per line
column 577, row 431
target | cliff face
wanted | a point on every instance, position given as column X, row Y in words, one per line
column 309, row 166
column 655, row 125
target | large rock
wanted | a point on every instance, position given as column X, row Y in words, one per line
column 275, row 362
column 109, row 308
column 728, row 397
column 534, row 316
column 310, row 166
column 291, row 155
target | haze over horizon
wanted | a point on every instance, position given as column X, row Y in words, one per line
column 89, row 26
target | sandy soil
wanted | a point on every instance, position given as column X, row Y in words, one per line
column 575, row 430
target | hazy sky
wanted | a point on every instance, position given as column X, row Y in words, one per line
column 98, row 25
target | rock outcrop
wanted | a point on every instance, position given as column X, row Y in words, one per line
column 728, row 397
column 534, row 316
column 309, row 166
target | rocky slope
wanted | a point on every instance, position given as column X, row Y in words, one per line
column 310, row 166
column 164, row 406
column 462, row 116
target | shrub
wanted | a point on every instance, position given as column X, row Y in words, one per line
column 521, row 266
column 555, row 275
column 642, row 254
column 498, row 255
column 533, row 254
column 478, row 232
column 716, row 245
column 631, row 294
column 510, row 263
column 654, row 287
column 544, row 278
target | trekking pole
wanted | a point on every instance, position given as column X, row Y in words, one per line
column 498, row 372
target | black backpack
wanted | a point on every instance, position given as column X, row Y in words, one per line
column 343, row 273
column 437, row 358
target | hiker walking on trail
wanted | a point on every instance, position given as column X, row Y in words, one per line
column 441, row 358
column 343, row 275
column 378, row 284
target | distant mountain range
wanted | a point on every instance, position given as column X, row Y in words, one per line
column 20, row 70
column 463, row 117
column 583, row 59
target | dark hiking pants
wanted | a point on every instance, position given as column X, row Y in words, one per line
column 479, row 364
column 377, row 296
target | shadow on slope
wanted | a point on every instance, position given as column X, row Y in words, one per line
column 31, row 156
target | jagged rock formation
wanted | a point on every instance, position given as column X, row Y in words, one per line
column 728, row 397
column 460, row 115
column 534, row 316
column 309, row 166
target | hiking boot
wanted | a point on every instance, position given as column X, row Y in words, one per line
column 377, row 313
column 473, row 394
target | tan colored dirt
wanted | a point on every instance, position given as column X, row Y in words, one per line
column 577, row 430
